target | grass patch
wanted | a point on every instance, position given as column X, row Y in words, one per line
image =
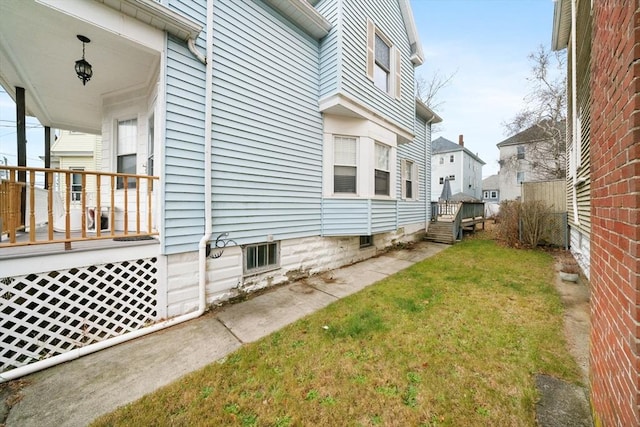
column 451, row 341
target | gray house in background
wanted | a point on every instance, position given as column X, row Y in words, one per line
column 491, row 189
column 460, row 165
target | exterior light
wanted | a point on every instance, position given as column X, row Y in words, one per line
column 83, row 68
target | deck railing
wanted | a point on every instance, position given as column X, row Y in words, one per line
column 63, row 206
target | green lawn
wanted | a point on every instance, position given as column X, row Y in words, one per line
column 454, row 340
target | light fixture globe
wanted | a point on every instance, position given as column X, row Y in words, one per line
column 83, row 68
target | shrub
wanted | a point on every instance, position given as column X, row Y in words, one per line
column 524, row 223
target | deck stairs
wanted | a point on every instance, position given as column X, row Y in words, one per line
column 441, row 232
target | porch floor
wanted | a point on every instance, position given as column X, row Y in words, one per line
column 39, row 249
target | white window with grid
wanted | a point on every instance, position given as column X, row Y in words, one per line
column 409, row 172
column 382, row 172
column 126, row 150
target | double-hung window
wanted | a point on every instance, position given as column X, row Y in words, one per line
column 381, row 173
column 382, row 67
column 345, row 165
column 409, row 172
column 383, row 61
column 519, row 177
column 520, row 152
column 126, row 155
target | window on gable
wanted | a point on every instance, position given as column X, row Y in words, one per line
column 126, row 151
column 485, row 194
column 494, row 194
column 409, row 172
column 381, row 172
column 520, row 152
column 261, row 257
column 345, row 164
column 382, row 67
column 451, row 158
column 383, row 61
column 441, row 160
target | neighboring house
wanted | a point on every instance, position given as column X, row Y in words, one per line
column 602, row 187
column 527, row 156
column 491, row 189
column 256, row 141
column 461, row 166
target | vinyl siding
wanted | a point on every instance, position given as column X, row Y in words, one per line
column 346, row 217
column 582, row 191
column 183, row 153
column 267, row 130
column 387, row 17
column 330, row 53
column 413, row 211
column 384, row 216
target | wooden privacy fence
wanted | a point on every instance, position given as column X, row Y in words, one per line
column 552, row 193
column 78, row 205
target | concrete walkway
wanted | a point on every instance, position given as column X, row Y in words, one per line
column 77, row 392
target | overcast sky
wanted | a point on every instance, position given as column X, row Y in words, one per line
column 485, row 43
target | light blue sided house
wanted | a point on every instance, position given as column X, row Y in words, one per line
column 254, row 141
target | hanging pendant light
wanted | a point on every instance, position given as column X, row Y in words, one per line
column 83, row 68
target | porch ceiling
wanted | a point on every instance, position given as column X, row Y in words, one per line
column 38, row 50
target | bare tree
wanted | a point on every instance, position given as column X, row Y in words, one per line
column 541, row 123
column 427, row 90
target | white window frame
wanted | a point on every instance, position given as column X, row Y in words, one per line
column 520, row 152
column 409, row 172
column 485, row 194
column 393, row 74
column 76, row 195
column 494, row 194
column 271, row 248
column 520, row 177
column 452, row 158
column 335, row 140
column 130, row 150
column 382, row 168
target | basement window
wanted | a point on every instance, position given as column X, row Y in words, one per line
column 261, row 257
column 366, row 241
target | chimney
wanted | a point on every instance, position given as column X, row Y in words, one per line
column 461, row 140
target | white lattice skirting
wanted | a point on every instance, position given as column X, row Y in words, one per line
column 43, row 315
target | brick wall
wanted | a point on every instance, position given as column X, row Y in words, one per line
column 615, row 191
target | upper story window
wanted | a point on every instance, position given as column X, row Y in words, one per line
column 345, row 165
column 383, row 61
column 452, row 158
column 520, row 152
column 126, row 151
column 382, row 67
column 520, row 178
column 382, row 174
column 441, row 181
column 441, row 160
column 485, row 195
column 494, row 194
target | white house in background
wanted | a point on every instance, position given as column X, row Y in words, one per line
column 461, row 166
column 527, row 156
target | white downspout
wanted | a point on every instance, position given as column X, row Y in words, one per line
column 202, row 302
column 427, row 195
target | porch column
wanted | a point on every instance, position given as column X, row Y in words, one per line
column 21, row 130
column 47, row 153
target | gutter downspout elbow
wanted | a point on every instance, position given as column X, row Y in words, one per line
column 191, row 44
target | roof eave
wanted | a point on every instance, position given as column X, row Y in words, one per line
column 427, row 113
column 561, row 24
column 417, row 55
column 303, row 15
column 158, row 16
